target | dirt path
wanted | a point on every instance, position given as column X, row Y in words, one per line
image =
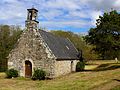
column 108, row 86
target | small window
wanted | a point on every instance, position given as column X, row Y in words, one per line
column 67, row 47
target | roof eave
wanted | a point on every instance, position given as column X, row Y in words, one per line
column 67, row 58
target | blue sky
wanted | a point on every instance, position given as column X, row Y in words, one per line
column 73, row 15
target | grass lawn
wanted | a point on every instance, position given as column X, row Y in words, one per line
column 99, row 75
column 116, row 88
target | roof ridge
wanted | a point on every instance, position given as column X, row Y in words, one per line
column 52, row 34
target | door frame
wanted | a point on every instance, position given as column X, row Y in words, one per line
column 30, row 60
column 28, row 69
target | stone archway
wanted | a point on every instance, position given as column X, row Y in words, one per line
column 28, row 69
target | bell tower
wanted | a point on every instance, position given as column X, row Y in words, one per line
column 31, row 22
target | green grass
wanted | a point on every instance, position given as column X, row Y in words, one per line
column 116, row 88
column 94, row 77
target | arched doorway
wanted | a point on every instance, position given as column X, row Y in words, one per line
column 28, row 69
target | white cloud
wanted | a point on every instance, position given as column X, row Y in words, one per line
column 65, row 4
column 57, row 13
column 94, row 16
column 59, row 24
column 49, row 15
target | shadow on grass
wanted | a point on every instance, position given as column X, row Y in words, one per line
column 104, row 67
column 117, row 80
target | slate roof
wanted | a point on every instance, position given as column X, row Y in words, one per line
column 62, row 48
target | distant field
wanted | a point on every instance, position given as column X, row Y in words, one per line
column 99, row 75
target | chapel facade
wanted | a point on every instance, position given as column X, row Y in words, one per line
column 40, row 49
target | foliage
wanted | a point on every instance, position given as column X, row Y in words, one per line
column 80, row 66
column 11, row 73
column 39, row 74
column 106, row 36
column 8, row 37
column 79, row 43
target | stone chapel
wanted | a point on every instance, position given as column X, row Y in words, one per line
column 41, row 49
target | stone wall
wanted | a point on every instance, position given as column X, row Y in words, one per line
column 63, row 67
column 31, row 47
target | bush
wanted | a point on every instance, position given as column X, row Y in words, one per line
column 11, row 73
column 80, row 66
column 39, row 74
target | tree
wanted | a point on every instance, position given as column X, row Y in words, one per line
column 8, row 37
column 106, row 36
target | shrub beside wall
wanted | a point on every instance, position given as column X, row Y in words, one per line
column 39, row 74
column 80, row 66
column 11, row 73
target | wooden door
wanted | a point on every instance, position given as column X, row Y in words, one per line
column 28, row 69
